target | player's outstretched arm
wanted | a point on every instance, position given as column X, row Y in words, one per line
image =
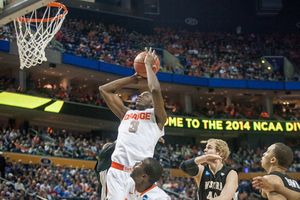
column 208, row 158
column 108, row 92
column 230, row 187
column 155, row 89
column 269, row 185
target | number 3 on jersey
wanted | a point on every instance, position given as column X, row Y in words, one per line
column 134, row 126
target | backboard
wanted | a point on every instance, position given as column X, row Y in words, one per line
column 12, row 9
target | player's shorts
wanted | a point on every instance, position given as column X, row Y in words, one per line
column 116, row 180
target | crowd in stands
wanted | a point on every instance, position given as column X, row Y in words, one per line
column 211, row 54
column 218, row 55
column 26, row 181
column 244, row 110
column 288, row 111
column 78, row 95
column 233, row 111
column 111, row 44
column 215, row 55
column 212, row 109
column 48, row 142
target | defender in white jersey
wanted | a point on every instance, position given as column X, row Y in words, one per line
column 141, row 185
column 139, row 130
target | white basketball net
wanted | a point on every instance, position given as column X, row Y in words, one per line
column 31, row 45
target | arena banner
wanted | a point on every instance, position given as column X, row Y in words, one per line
column 232, row 125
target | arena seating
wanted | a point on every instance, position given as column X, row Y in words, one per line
column 66, row 145
column 211, row 55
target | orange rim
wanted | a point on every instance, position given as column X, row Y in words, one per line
column 10, row 2
column 53, row 4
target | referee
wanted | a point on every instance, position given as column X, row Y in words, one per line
column 103, row 164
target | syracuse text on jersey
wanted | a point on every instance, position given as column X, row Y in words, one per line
column 141, row 115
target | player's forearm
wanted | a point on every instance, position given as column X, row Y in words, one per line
column 114, row 86
column 153, row 83
column 189, row 167
column 222, row 198
column 200, row 160
column 287, row 193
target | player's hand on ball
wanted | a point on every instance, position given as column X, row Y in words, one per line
column 139, row 78
column 150, row 57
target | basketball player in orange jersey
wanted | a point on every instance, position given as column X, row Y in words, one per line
column 215, row 180
column 139, row 129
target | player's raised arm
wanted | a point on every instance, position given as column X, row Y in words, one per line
column 154, row 86
column 108, row 92
column 194, row 167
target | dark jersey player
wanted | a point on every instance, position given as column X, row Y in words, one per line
column 214, row 179
column 103, row 164
column 275, row 160
column 267, row 185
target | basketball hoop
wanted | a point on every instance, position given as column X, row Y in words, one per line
column 34, row 33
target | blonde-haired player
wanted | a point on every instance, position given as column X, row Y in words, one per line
column 214, row 179
column 139, row 130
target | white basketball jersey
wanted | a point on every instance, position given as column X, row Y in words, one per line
column 137, row 136
column 153, row 193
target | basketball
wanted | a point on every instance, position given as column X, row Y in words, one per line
column 140, row 67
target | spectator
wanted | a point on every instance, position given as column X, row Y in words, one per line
column 30, row 191
column 94, row 196
column 69, row 192
column 45, row 185
column 58, row 152
column 47, row 194
column 40, row 151
column 19, row 185
column 53, row 192
column 62, row 192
